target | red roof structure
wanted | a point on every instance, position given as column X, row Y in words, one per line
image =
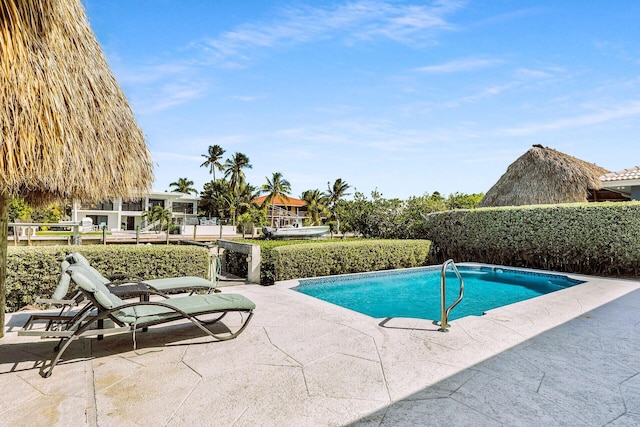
column 280, row 201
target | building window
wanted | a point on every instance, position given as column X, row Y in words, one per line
column 186, row 208
column 100, row 206
column 99, row 221
column 156, row 202
column 135, row 206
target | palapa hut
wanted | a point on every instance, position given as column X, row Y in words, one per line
column 66, row 129
column 545, row 176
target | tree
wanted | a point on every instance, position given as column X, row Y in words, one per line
column 333, row 196
column 242, row 198
column 218, row 199
column 415, row 210
column 183, row 185
column 213, row 157
column 223, row 202
column 233, row 170
column 464, row 201
column 208, row 204
column 316, row 206
column 18, row 209
column 159, row 215
column 376, row 218
column 252, row 217
column 276, row 186
column 52, row 213
column 164, row 217
column 394, row 218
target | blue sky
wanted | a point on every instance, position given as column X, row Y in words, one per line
column 405, row 97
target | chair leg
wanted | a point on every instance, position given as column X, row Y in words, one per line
column 47, row 373
column 211, row 322
column 200, row 325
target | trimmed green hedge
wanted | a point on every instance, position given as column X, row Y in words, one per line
column 34, row 271
column 323, row 259
column 237, row 262
column 588, row 238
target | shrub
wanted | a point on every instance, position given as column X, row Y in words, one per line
column 237, row 264
column 588, row 238
column 323, row 259
column 35, row 271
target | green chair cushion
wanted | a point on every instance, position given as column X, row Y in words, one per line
column 164, row 284
column 184, row 282
column 63, row 283
column 192, row 304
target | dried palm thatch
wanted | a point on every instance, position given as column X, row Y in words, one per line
column 544, row 176
column 66, row 129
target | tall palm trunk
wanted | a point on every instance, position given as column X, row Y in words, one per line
column 4, row 221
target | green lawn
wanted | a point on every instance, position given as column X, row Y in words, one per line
column 69, row 233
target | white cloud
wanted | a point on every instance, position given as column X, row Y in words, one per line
column 149, row 74
column 619, row 51
column 362, row 20
column 629, row 110
column 529, row 74
column 249, row 98
column 462, row 65
column 158, row 87
column 154, row 99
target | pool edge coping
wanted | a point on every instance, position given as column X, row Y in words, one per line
column 577, row 294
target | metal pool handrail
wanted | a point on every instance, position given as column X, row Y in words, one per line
column 444, row 322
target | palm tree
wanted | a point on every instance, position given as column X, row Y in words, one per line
column 165, row 216
column 233, row 170
column 241, row 199
column 213, row 159
column 223, row 202
column 157, row 214
column 334, row 195
column 316, row 206
column 276, row 186
column 183, row 185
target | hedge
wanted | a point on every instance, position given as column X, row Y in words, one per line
column 35, row 271
column 323, row 259
column 236, row 263
column 588, row 238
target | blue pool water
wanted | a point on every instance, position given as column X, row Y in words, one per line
column 416, row 292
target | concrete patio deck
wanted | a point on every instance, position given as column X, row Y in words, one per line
column 567, row 358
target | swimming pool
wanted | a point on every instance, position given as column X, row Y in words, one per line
column 415, row 292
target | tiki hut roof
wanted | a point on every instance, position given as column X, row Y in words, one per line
column 544, row 176
column 66, row 128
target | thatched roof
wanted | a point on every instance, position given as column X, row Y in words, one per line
column 66, row 128
column 544, row 176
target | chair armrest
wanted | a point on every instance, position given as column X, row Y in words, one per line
column 56, row 301
column 125, row 277
column 131, row 290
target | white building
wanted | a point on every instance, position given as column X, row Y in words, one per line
column 117, row 214
column 626, row 182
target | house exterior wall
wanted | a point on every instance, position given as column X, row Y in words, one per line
column 118, row 219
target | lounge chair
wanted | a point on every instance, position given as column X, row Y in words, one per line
column 132, row 286
column 58, row 296
column 131, row 316
column 172, row 284
column 66, row 305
